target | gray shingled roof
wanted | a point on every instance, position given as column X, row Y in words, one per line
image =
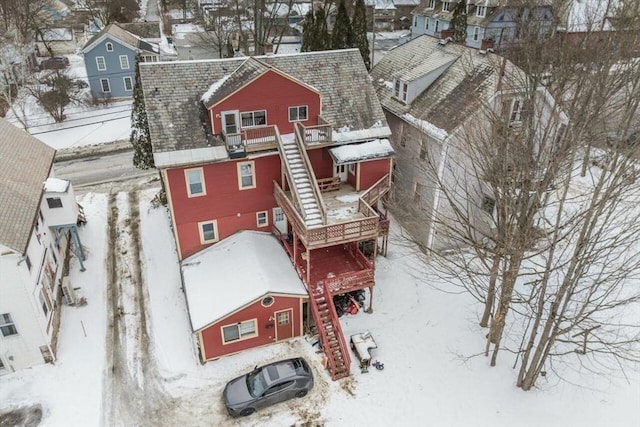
column 26, row 163
column 174, row 110
column 146, row 30
column 245, row 73
column 114, row 30
column 454, row 96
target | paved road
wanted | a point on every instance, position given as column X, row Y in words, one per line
column 87, row 170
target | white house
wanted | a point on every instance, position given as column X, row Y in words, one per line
column 444, row 102
column 39, row 217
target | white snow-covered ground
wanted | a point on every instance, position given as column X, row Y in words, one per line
column 426, row 338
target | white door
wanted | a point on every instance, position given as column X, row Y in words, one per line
column 341, row 171
column 230, row 121
column 279, row 220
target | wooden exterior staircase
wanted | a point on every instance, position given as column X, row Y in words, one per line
column 304, row 187
column 330, row 332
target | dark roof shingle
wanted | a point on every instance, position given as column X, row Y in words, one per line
column 26, row 164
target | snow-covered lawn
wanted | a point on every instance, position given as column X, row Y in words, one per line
column 426, row 338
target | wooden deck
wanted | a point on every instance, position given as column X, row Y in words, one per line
column 344, row 267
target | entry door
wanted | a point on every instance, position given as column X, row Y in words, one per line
column 279, row 220
column 341, row 171
column 230, row 120
column 284, row 324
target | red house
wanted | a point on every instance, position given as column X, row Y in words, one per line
column 293, row 145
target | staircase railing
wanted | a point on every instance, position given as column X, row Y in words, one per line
column 287, row 166
column 307, row 165
column 377, row 190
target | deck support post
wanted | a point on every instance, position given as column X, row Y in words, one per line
column 370, row 309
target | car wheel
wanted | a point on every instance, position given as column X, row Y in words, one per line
column 246, row 412
column 301, row 393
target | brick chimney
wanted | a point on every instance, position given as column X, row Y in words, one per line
column 486, row 44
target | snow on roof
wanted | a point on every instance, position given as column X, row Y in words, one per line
column 235, row 272
column 427, row 127
column 213, row 88
column 345, row 134
column 375, row 149
column 56, row 185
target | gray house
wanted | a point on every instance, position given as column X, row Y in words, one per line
column 109, row 58
column 490, row 23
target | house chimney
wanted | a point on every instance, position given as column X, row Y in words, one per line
column 445, row 34
column 486, row 44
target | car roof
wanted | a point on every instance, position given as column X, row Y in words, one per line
column 282, row 370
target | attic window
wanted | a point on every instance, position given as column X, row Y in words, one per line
column 109, row 47
column 400, row 90
column 481, row 11
column 445, row 6
column 432, row 4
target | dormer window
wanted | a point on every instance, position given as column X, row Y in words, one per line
column 445, row 6
column 481, row 11
column 109, row 47
column 400, row 90
column 432, row 4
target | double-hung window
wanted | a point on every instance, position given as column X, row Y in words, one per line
column 128, row 84
column 517, row 112
column 208, row 231
column 7, row 327
column 101, row 63
column 432, row 4
column 106, row 87
column 445, row 6
column 195, row 182
column 481, row 11
column 262, row 219
column 400, row 90
column 124, row 62
column 298, row 113
column 239, row 331
column 246, row 178
column 253, row 118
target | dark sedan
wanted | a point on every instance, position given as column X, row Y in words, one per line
column 268, row 385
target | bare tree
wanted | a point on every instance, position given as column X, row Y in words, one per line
column 56, row 92
column 503, row 205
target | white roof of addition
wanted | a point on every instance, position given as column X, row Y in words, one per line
column 376, row 149
column 235, row 272
column 56, row 185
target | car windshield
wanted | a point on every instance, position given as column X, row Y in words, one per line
column 256, row 383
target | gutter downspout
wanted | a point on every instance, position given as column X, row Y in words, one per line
column 437, row 195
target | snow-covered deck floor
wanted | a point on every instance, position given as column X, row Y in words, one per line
column 342, row 205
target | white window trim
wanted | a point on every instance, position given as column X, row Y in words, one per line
column 481, row 11
column 426, row 23
column 517, row 109
column 476, row 33
column 266, row 219
column 253, row 119
column 11, row 323
column 104, row 61
column 108, row 85
column 124, row 82
column 240, row 337
column 109, row 45
column 188, row 183
column 215, row 231
column 445, row 6
column 126, row 58
column 432, row 4
column 297, row 107
column 253, row 175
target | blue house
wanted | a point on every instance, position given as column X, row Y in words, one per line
column 490, row 23
column 109, row 58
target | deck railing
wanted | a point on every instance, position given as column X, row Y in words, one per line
column 329, row 184
column 377, row 190
column 318, row 134
column 251, row 139
column 348, row 282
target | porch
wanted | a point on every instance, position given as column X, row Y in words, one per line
column 344, row 268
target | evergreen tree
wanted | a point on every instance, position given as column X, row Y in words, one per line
column 140, row 138
column 342, row 35
column 321, row 39
column 459, row 22
column 308, row 32
column 359, row 25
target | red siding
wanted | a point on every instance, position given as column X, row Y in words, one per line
column 233, row 209
column 321, row 162
column 212, row 345
column 275, row 94
column 372, row 171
